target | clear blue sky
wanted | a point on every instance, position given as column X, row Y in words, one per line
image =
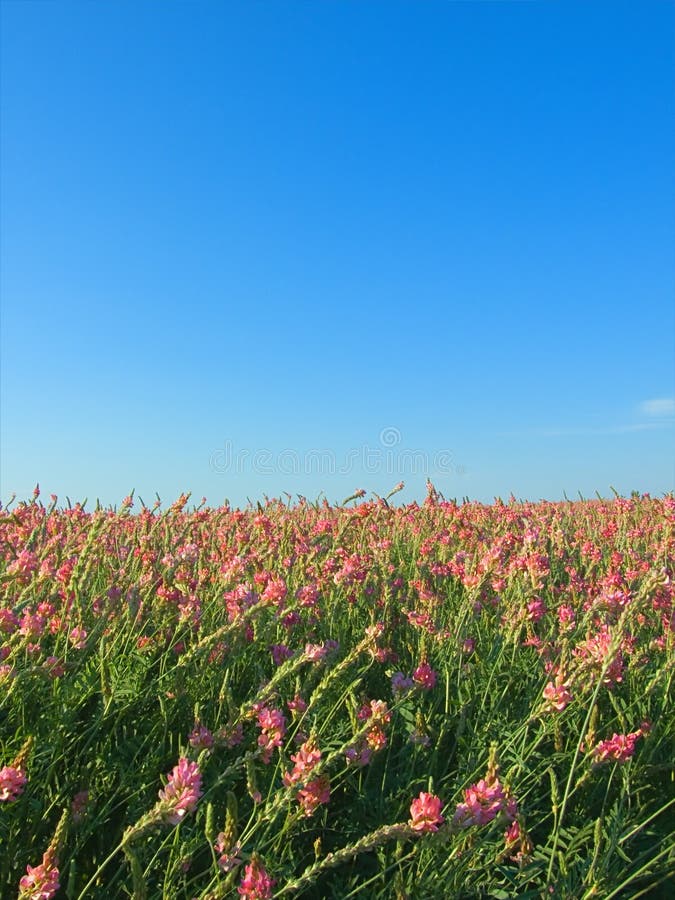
column 438, row 233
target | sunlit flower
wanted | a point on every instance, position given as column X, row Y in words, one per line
column 425, row 812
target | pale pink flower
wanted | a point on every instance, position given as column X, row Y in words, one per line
column 317, row 652
column 12, row 783
column 557, row 695
column 182, row 792
column 40, row 882
column 229, row 856
column 425, row 812
column 78, row 637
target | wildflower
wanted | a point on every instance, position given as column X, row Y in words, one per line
column 280, row 652
column 424, row 676
column 229, row 856
column 54, row 667
column 40, row 882
column 23, row 566
column 620, row 747
column 12, row 783
column 314, row 794
column 297, row 705
column 78, row 806
column 273, row 725
column 231, row 734
column 401, row 684
column 275, row 592
column 78, row 637
column 536, row 609
column 200, row 737
column 305, row 760
column 557, row 695
column 359, row 755
column 376, row 738
column 317, row 652
column 256, row 883
column 183, row 790
column 483, row 801
column 377, row 710
column 425, row 813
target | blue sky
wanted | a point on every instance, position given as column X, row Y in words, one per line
column 254, row 247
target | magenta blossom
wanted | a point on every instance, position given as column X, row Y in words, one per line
column 256, row 883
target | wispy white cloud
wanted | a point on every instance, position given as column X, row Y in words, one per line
column 659, row 411
column 661, row 406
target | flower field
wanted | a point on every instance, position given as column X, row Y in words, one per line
column 365, row 700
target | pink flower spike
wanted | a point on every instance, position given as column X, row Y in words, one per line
column 426, row 813
column 40, row 882
column 182, row 792
column 12, row 783
column 256, row 883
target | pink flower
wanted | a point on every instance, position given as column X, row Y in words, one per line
column 78, row 637
column 558, row 696
column 256, row 883
column 54, row 667
column 620, row 747
column 280, row 652
column 424, row 676
column 297, row 704
column 484, row 801
column 229, row 856
column 12, row 783
column 359, row 756
column 314, row 794
column 23, row 566
column 40, row 882
column 183, row 790
column 305, row 760
column 426, row 813
column 200, row 737
column 317, row 652
column 273, row 725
